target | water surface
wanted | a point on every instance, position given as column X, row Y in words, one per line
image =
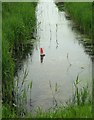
column 64, row 59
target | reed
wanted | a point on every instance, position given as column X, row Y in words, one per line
column 18, row 26
column 81, row 13
column 79, row 106
column 8, row 112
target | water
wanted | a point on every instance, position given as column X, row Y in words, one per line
column 64, row 59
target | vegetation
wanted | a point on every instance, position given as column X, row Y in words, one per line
column 66, row 112
column 72, row 109
column 17, row 28
column 81, row 13
column 8, row 112
column 62, row 112
column 79, row 106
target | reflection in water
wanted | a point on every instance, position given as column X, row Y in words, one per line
column 54, row 31
column 68, row 62
column 50, row 36
column 68, row 59
column 41, row 58
column 56, row 36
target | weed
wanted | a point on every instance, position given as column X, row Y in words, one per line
column 81, row 14
column 17, row 28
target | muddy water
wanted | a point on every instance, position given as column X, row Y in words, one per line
column 64, row 59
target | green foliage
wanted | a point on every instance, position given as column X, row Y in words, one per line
column 79, row 106
column 72, row 109
column 81, row 12
column 8, row 72
column 81, row 97
column 65, row 112
column 17, row 28
column 8, row 112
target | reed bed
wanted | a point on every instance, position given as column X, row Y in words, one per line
column 18, row 27
column 81, row 13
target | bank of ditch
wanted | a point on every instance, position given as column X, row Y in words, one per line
column 79, row 106
column 18, row 27
column 81, row 14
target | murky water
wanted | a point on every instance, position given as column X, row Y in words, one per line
column 64, row 59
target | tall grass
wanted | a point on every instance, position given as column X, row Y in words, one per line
column 66, row 112
column 81, row 13
column 18, row 23
column 8, row 112
column 79, row 106
column 93, row 25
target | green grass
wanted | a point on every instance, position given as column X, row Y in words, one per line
column 72, row 108
column 79, row 106
column 81, row 13
column 67, row 112
column 18, row 23
column 72, row 111
column 8, row 112
column 18, row 27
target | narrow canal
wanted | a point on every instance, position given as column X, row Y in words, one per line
column 64, row 60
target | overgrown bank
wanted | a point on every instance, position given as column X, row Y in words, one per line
column 82, row 16
column 61, row 112
column 17, row 36
column 81, row 13
column 78, row 106
column 70, row 111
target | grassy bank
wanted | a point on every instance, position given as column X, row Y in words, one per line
column 8, row 112
column 78, row 106
column 81, row 13
column 18, row 29
column 72, row 111
column 82, row 16
column 67, row 112
column 18, row 23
